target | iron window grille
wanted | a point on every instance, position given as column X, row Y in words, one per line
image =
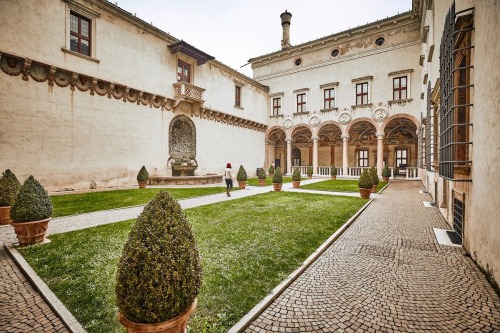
column 458, row 217
column 455, row 103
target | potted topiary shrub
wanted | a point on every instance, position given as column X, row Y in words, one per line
column 262, row 177
column 365, row 184
column 142, row 177
column 9, row 186
column 271, row 171
column 309, row 172
column 374, row 175
column 296, row 178
column 31, row 212
column 241, row 177
column 277, row 180
column 159, row 272
column 333, row 172
column 386, row 173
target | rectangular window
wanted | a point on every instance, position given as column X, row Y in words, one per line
column 183, row 72
column 329, row 98
column 458, row 217
column 454, row 113
column 362, row 93
column 301, row 102
column 399, row 88
column 237, row 96
column 79, row 34
column 276, row 106
column 363, row 158
column 401, row 158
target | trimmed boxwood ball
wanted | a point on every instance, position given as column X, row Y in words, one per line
column 261, row 174
column 242, row 174
column 143, row 175
column 9, row 186
column 374, row 175
column 296, row 175
column 32, row 202
column 277, row 177
column 159, row 272
column 365, row 180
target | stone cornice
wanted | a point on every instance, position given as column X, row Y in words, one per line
column 338, row 38
column 16, row 65
column 238, row 75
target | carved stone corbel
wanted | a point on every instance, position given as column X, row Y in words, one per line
column 26, row 69
column 74, row 77
column 92, row 86
column 52, row 75
column 125, row 94
column 111, row 87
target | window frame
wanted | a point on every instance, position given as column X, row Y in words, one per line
column 237, row 96
column 276, row 107
column 363, row 93
column 400, row 74
column 399, row 90
column 363, row 159
column 329, row 100
column 82, row 12
column 302, row 104
column 79, row 35
column 180, row 75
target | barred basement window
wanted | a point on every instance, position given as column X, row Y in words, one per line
column 429, row 130
column 454, row 113
column 458, row 217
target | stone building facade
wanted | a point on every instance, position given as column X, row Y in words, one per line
column 97, row 93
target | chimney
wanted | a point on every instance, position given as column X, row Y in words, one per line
column 286, row 17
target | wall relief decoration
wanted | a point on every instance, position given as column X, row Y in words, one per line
column 379, row 114
column 345, row 118
column 182, row 146
column 314, row 121
column 288, row 123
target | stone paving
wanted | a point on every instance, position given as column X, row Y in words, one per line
column 22, row 308
column 387, row 273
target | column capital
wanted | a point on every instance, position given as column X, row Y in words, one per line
column 345, row 137
column 380, row 135
column 289, row 140
column 315, row 139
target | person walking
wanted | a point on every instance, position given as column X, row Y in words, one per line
column 229, row 180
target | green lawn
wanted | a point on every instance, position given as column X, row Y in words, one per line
column 339, row 185
column 248, row 246
column 269, row 180
column 70, row 204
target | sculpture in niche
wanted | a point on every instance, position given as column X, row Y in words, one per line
column 182, row 146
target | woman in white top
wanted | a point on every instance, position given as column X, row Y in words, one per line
column 229, row 180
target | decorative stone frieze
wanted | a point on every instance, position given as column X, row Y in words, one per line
column 345, row 118
column 15, row 65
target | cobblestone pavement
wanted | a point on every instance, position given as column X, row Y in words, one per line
column 22, row 308
column 387, row 273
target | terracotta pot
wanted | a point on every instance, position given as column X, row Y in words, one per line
column 5, row 215
column 277, row 187
column 142, row 184
column 174, row 325
column 386, row 179
column 334, row 177
column 296, row 183
column 374, row 188
column 242, row 184
column 365, row 192
column 29, row 233
column 262, row 182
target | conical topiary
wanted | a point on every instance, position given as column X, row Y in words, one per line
column 261, row 174
column 159, row 272
column 296, row 175
column 271, row 169
column 386, row 172
column 333, row 171
column 9, row 186
column 277, row 177
column 143, row 175
column 365, row 180
column 374, row 175
column 32, row 202
column 242, row 174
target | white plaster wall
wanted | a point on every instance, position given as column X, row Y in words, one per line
column 484, row 224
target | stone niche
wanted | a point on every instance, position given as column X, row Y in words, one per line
column 182, row 146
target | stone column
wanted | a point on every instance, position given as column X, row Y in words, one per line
column 345, row 154
column 289, row 156
column 380, row 153
column 315, row 155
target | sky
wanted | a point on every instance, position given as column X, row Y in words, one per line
column 234, row 31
